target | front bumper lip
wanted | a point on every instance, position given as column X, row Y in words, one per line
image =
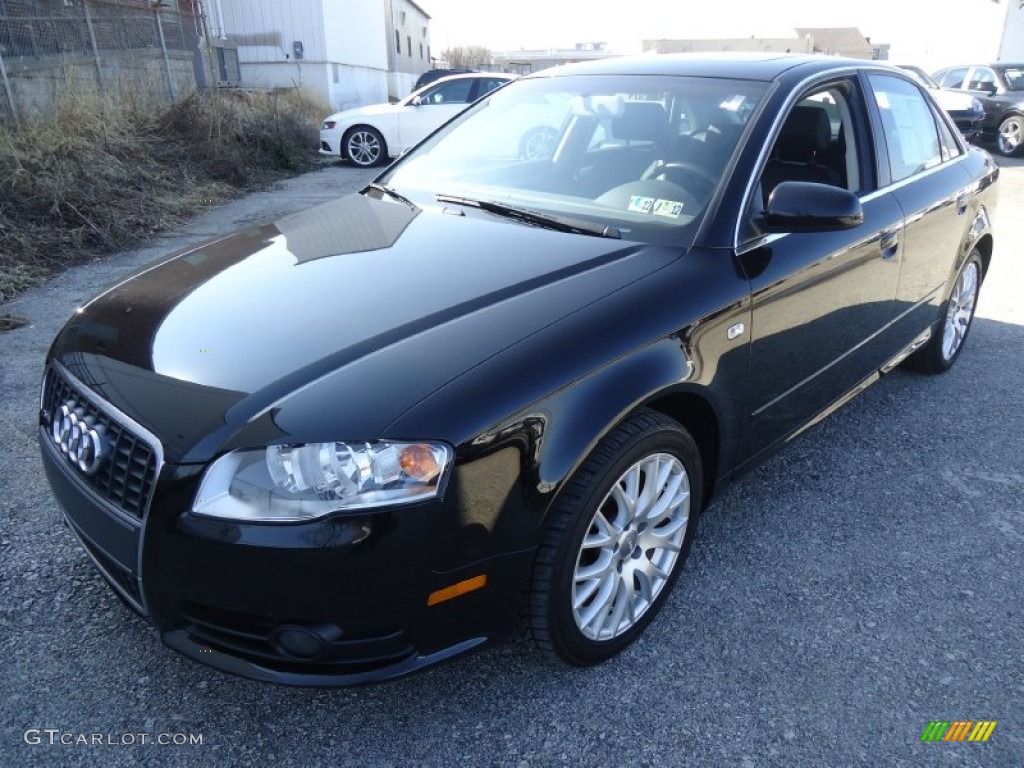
column 181, row 641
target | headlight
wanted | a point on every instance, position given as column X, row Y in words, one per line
column 328, row 125
column 288, row 483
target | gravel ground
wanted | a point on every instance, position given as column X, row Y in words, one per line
column 866, row 581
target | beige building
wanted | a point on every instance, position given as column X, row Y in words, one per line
column 523, row 62
column 707, row 45
column 831, row 41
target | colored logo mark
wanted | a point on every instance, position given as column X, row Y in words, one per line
column 958, row 730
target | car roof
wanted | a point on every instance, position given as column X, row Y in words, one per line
column 735, row 65
column 473, row 75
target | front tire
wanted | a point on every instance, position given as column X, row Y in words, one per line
column 955, row 319
column 1010, row 139
column 615, row 541
column 364, row 146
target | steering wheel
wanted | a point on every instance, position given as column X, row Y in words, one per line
column 686, row 172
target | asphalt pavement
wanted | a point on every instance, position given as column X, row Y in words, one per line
column 867, row 581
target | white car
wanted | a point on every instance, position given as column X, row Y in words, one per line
column 967, row 111
column 368, row 135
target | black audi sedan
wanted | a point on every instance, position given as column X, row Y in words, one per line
column 494, row 392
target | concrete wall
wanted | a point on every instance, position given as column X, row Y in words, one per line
column 338, row 86
column 40, row 85
column 355, row 32
column 344, row 61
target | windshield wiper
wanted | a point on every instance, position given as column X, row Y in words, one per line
column 392, row 193
column 532, row 217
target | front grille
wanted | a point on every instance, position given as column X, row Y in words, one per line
column 126, row 476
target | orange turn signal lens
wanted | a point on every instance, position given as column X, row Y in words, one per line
column 419, row 463
column 459, row 588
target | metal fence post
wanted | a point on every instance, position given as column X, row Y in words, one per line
column 10, row 94
column 163, row 49
column 95, row 48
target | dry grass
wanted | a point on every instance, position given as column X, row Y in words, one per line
column 97, row 176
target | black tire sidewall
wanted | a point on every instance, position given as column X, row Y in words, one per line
column 568, row 641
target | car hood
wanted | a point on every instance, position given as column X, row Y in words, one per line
column 373, row 110
column 388, row 301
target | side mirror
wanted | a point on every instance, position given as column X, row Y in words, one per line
column 417, row 101
column 989, row 88
column 804, row 206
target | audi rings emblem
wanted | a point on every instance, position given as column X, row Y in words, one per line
column 78, row 437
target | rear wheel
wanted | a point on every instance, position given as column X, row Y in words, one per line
column 1010, row 141
column 616, row 541
column 364, row 146
column 956, row 316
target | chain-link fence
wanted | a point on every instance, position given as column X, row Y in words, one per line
column 120, row 49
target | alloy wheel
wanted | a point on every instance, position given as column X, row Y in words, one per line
column 960, row 310
column 1011, row 133
column 631, row 547
column 364, row 148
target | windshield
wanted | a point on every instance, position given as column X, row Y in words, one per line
column 641, row 156
column 1014, row 77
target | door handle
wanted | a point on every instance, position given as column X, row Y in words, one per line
column 961, row 203
column 889, row 243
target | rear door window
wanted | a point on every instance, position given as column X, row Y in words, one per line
column 911, row 133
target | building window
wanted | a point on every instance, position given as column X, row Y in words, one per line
column 428, row 53
column 421, row 51
column 398, row 42
column 408, row 45
column 335, row 72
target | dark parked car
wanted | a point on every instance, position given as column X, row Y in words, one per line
column 436, row 74
column 966, row 110
column 494, row 391
column 1000, row 88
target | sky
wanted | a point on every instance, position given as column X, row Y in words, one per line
column 932, row 33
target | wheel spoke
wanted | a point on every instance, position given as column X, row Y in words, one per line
column 601, row 534
column 602, row 602
column 669, row 501
column 664, row 536
column 650, row 491
column 646, row 584
column 598, row 568
column 625, row 503
column 622, row 604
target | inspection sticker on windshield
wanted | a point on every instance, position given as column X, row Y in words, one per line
column 641, row 204
column 670, row 208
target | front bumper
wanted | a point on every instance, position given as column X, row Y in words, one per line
column 337, row 601
column 330, row 143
